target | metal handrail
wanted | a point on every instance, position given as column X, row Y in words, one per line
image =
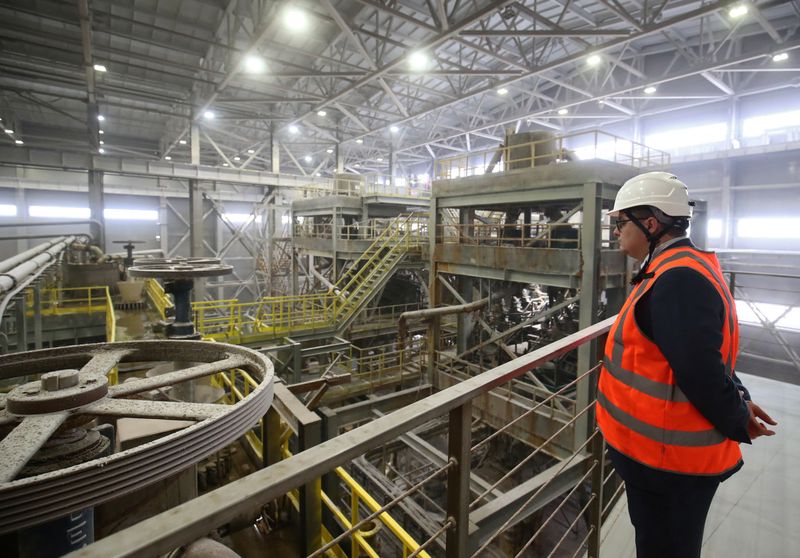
column 602, row 144
column 195, row 518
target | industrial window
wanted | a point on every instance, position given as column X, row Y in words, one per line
column 789, row 320
column 685, row 137
column 766, row 123
column 59, row 212
column 714, row 228
column 112, row 214
column 768, row 227
column 7, row 210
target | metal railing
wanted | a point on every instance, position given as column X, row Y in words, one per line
column 563, row 236
column 271, row 317
column 580, row 145
column 370, row 184
column 368, row 230
column 58, row 301
column 160, row 300
column 237, row 385
column 584, row 468
column 769, row 320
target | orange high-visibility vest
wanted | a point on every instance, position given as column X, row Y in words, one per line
column 640, row 409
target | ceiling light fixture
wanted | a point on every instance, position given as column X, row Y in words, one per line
column 100, row 68
column 649, row 90
column 359, row 140
column 563, row 111
column 418, row 61
column 251, row 151
column 182, row 142
column 356, row 166
column 394, row 129
column 594, row 60
column 321, row 113
column 100, row 117
column 254, row 64
column 295, row 19
column 225, row 164
column 738, row 11
column 237, row 158
column 8, row 131
column 19, row 142
column 209, row 115
column 101, row 151
column 307, row 158
column 167, row 158
column 780, row 57
column 329, row 150
column 293, row 129
column 379, row 159
column 102, row 142
column 502, row 91
column 101, row 132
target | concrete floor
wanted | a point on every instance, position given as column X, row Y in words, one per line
column 756, row 513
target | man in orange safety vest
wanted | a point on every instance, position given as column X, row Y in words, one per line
column 669, row 404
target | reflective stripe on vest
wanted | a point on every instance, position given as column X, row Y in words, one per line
column 642, row 412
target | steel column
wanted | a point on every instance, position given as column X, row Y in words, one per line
column 589, row 296
column 96, row 207
column 458, row 449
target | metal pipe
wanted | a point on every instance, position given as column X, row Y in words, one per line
column 405, row 317
column 9, row 277
column 23, row 257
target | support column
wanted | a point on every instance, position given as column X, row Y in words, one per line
column 22, row 214
column 163, row 229
column 196, row 232
column 434, row 289
column 339, row 159
column 465, row 322
column 728, row 230
column 589, row 295
column 391, row 167
column 194, row 134
column 37, row 315
column 96, row 208
column 22, row 325
column 275, row 154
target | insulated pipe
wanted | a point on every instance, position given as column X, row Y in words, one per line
column 405, row 317
column 11, row 277
column 23, row 257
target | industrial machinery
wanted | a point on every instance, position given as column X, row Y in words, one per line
column 60, row 421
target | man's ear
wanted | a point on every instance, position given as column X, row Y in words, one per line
column 652, row 225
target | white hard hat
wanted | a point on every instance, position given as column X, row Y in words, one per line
column 657, row 189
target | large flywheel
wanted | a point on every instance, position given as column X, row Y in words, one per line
column 71, row 390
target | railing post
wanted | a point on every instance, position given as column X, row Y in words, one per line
column 596, row 507
column 37, row 315
column 310, row 493
column 458, row 448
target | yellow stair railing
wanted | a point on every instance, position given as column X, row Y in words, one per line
column 273, row 317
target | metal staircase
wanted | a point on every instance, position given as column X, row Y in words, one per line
column 370, row 273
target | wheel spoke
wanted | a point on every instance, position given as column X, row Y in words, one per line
column 24, row 441
column 103, row 362
column 155, row 409
column 171, row 378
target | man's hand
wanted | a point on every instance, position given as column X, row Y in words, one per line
column 755, row 427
